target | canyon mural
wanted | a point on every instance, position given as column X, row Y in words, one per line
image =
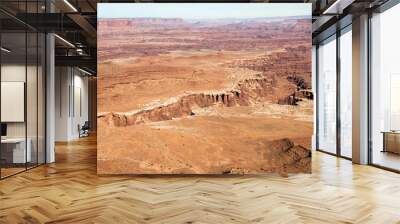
column 204, row 96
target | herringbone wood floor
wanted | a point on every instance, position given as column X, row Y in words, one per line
column 69, row 191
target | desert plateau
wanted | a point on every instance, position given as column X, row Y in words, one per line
column 205, row 96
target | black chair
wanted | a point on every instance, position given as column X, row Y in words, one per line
column 84, row 130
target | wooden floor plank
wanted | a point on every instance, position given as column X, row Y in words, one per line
column 69, row 191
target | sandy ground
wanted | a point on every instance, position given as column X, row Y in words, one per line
column 131, row 84
column 216, row 140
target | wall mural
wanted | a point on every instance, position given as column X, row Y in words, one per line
column 204, row 88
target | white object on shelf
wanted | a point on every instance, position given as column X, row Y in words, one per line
column 19, row 155
column 12, row 101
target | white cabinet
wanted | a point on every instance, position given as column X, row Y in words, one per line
column 19, row 155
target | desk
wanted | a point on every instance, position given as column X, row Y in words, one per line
column 16, row 148
column 391, row 141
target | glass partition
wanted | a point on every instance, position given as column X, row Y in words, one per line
column 385, row 89
column 346, row 92
column 13, row 94
column 41, row 107
column 31, row 97
column 22, row 78
column 327, row 95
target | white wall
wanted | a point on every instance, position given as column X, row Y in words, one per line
column 61, row 103
column 71, row 102
column 80, row 110
column 12, row 73
column 50, row 94
column 33, row 127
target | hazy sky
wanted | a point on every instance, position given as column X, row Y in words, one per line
column 202, row 10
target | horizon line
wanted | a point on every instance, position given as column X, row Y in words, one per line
column 202, row 10
column 266, row 17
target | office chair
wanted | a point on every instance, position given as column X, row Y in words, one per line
column 84, row 130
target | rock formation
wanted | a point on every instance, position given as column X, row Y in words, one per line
column 229, row 96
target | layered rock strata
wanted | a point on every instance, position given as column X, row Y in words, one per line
column 246, row 93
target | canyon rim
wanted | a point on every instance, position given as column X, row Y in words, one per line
column 184, row 95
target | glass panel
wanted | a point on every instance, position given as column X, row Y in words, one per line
column 385, row 92
column 32, row 90
column 17, row 6
column 31, row 100
column 346, row 94
column 22, row 88
column 77, row 113
column 41, row 99
column 314, row 82
column 327, row 96
column 13, row 87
